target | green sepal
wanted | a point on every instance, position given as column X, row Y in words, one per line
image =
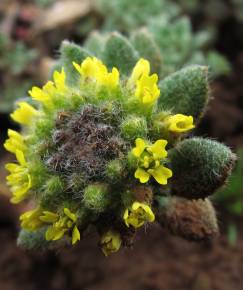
column 97, row 197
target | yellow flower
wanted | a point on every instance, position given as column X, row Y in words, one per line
column 30, row 220
column 19, row 179
column 179, row 123
column 95, row 69
column 46, row 94
column 149, row 161
column 147, row 90
column 146, row 86
column 24, row 114
column 110, row 242
column 15, row 142
column 142, row 67
column 138, row 214
column 59, row 80
column 61, row 225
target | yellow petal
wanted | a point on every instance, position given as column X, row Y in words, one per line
column 179, row 123
column 49, row 217
column 24, row 114
column 11, row 167
column 142, row 175
column 15, row 141
column 113, row 78
column 158, row 149
column 77, row 67
column 147, row 90
column 59, row 79
column 20, row 157
column 140, row 146
column 141, row 67
column 75, row 235
column 125, row 217
column 149, row 213
column 161, row 174
column 71, row 215
column 40, row 95
column 54, row 233
column 110, row 242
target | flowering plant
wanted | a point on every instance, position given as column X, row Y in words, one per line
column 106, row 149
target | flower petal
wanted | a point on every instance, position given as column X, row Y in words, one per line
column 142, row 175
column 140, row 146
column 75, row 235
column 161, row 174
column 158, row 149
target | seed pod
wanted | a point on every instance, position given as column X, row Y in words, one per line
column 194, row 220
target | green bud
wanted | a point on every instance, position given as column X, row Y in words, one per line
column 97, row 197
column 133, row 127
column 194, row 220
column 77, row 182
column 119, row 53
column 53, row 193
column 199, row 166
column 186, row 91
column 115, row 170
column 132, row 161
column 54, row 185
column 70, row 53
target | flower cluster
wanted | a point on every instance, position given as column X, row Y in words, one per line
column 76, row 147
column 95, row 70
column 19, row 178
column 58, row 225
column 149, row 160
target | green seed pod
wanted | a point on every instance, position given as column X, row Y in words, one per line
column 97, row 197
column 194, row 220
column 200, row 166
column 134, row 126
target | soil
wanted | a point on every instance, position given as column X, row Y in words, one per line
column 158, row 261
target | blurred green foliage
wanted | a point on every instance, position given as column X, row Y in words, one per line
column 207, row 8
column 15, row 59
column 126, row 15
column 231, row 196
column 170, row 35
column 44, row 3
